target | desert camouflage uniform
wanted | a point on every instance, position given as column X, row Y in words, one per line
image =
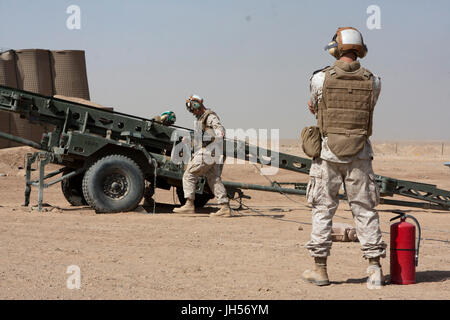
column 201, row 164
column 327, row 174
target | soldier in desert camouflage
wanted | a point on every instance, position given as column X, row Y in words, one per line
column 343, row 97
column 204, row 161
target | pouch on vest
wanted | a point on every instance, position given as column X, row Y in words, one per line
column 311, row 141
column 346, row 146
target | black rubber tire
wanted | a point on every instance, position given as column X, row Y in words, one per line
column 200, row 199
column 72, row 189
column 114, row 183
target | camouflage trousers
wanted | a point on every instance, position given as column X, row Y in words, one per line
column 198, row 167
column 363, row 195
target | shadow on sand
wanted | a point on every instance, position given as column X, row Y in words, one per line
column 199, row 212
column 421, row 277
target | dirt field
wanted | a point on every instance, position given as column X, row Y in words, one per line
column 258, row 255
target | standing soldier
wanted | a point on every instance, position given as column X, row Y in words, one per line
column 343, row 97
column 203, row 161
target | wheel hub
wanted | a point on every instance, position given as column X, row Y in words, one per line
column 115, row 186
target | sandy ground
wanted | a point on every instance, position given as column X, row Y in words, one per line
column 258, row 255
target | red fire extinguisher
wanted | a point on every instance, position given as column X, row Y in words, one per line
column 404, row 252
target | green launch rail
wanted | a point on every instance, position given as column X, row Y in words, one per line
column 110, row 160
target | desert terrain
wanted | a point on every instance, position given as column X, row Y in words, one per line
column 259, row 254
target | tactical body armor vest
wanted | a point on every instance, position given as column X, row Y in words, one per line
column 208, row 131
column 346, row 109
column 204, row 117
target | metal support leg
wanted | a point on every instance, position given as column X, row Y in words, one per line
column 43, row 158
column 41, row 182
column 30, row 158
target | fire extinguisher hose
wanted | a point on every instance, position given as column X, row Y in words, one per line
column 416, row 257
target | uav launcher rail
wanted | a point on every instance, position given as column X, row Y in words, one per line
column 83, row 134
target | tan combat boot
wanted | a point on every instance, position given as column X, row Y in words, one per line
column 224, row 212
column 319, row 275
column 188, row 207
column 375, row 278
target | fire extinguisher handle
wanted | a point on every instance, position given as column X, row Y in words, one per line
column 416, row 260
column 401, row 215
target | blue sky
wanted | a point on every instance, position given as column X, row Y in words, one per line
column 251, row 60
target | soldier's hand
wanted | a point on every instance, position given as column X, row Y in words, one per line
column 311, row 108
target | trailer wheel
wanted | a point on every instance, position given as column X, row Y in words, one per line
column 114, row 183
column 200, row 199
column 72, row 189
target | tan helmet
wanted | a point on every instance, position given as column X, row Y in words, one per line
column 345, row 40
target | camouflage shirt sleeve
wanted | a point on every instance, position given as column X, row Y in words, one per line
column 316, row 85
column 376, row 88
column 213, row 122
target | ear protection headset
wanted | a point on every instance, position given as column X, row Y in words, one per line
column 347, row 39
column 332, row 47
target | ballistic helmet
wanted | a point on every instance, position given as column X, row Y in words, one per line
column 345, row 40
column 194, row 102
